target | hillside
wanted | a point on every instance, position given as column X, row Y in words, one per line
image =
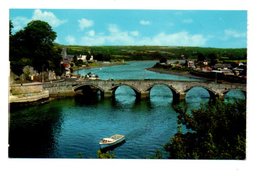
column 155, row 52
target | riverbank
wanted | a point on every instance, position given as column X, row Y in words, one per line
column 202, row 75
column 179, row 73
column 33, row 93
column 27, row 94
column 97, row 65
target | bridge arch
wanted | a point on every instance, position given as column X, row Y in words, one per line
column 175, row 93
column 227, row 91
column 137, row 92
column 90, row 88
column 211, row 92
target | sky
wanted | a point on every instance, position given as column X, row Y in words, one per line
column 93, row 27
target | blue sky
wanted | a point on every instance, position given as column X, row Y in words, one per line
column 204, row 28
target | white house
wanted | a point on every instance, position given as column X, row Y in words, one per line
column 82, row 57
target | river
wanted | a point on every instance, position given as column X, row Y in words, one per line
column 72, row 127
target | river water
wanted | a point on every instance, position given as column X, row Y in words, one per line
column 72, row 127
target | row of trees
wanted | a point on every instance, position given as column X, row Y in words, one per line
column 33, row 46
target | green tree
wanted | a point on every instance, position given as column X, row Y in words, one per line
column 99, row 57
column 54, row 62
column 75, row 58
column 218, row 132
column 88, row 55
column 163, row 60
column 39, row 38
column 34, row 42
column 79, row 62
column 28, row 71
column 200, row 57
column 213, row 59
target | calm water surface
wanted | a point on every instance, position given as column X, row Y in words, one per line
column 72, row 127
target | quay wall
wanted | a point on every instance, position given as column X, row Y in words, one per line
column 27, row 93
column 16, row 89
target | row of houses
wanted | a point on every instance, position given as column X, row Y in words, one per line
column 234, row 69
column 68, row 59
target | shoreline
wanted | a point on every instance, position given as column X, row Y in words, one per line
column 186, row 74
column 98, row 66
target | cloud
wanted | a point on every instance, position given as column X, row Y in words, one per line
column 144, row 22
column 70, row 40
column 85, row 23
column 230, row 33
column 115, row 36
column 113, row 28
column 91, row 33
column 134, row 33
column 179, row 38
column 20, row 22
column 48, row 17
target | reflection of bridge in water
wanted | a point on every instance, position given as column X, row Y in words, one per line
column 141, row 88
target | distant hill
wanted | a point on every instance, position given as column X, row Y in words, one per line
column 156, row 52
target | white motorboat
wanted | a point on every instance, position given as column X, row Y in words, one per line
column 113, row 140
column 92, row 76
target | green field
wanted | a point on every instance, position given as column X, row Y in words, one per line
column 156, row 52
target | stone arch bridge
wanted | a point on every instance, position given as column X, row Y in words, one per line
column 141, row 87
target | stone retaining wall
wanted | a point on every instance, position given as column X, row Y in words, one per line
column 29, row 97
column 28, row 92
column 16, row 89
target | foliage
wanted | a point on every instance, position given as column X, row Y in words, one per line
column 213, row 59
column 75, row 58
column 107, row 154
column 102, row 56
column 28, row 71
column 54, row 62
column 157, row 155
column 200, row 57
column 35, row 43
column 11, row 26
column 79, row 62
column 219, row 132
column 80, row 155
column 163, row 60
